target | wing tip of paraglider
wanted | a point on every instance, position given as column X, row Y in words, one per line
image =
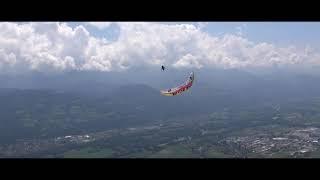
column 166, row 93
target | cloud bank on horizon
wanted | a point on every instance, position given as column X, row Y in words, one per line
column 57, row 46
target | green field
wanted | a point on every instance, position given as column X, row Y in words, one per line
column 174, row 151
column 216, row 154
column 89, row 153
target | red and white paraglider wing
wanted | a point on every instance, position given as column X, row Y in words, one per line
column 179, row 89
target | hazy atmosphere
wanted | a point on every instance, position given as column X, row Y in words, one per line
column 95, row 89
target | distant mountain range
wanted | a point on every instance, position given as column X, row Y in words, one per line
column 38, row 105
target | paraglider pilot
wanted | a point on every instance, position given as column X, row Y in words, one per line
column 162, row 67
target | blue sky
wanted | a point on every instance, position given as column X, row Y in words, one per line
column 281, row 33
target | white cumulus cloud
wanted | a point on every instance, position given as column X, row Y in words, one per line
column 54, row 46
column 100, row 25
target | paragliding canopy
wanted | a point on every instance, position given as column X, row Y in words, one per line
column 179, row 89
